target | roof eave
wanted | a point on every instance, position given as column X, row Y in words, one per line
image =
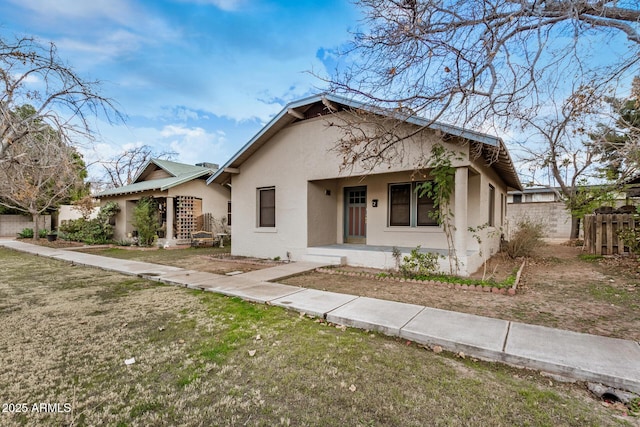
column 220, row 176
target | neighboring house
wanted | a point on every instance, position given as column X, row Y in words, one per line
column 292, row 200
column 182, row 194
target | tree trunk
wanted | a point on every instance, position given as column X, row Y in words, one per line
column 36, row 225
column 575, row 228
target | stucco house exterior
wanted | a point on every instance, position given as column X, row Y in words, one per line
column 183, row 197
column 291, row 198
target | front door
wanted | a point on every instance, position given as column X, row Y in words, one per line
column 355, row 215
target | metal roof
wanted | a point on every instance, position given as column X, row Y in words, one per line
column 502, row 163
column 181, row 173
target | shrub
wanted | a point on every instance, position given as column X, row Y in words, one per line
column 146, row 221
column 631, row 238
column 91, row 231
column 526, row 239
column 419, row 263
column 26, row 233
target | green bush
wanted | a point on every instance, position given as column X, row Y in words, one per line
column 146, row 220
column 526, row 239
column 631, row 238
column 419, row 263
column 91, row 231
column 27, row 233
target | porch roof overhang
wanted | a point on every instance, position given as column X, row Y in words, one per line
column 492, row 148
column 162, row 184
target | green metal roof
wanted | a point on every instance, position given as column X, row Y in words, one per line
column 181, row 173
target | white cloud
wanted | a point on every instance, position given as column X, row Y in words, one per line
column 228, row 5
column 195, row 145
column 115, row 10
column 117, row 44
column 31, row 78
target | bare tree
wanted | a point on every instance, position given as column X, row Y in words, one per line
column 473, row 61
column 34, row 74
column 121, row 169
column 39, row 173
column 565, row 152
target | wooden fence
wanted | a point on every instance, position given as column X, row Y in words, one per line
column 601, row 233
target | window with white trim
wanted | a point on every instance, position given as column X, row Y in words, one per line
column 267, row 207
column 407, row 208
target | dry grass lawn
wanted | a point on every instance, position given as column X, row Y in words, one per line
column 204, row 359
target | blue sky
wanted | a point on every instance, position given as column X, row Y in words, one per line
column 198, row 77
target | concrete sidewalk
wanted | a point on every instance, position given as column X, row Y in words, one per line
column 609, row 361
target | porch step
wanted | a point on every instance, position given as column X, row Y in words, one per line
column 325, row 259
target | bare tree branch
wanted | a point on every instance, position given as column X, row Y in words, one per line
column 34, row 74
column 469, row 62
column 121, row 169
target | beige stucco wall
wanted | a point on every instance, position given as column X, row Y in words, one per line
column 10, row 225
column 310, row 196
column 554, row 215
column 71, row 212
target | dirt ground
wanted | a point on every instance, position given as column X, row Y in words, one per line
column 558, row 289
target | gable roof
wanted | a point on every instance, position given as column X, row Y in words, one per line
column 180, row 173
column 293, row 111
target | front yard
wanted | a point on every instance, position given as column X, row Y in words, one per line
column 560, row 288
column 204, row 359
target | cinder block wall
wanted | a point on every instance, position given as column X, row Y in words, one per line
column 10, row 225
column 554, row 215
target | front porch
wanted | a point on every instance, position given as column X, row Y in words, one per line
column 378, row 256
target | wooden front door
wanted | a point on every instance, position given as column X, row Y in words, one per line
column 355, row 215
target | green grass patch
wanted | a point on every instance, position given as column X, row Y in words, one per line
column 492, row 283
column 123, row 288
column 612, row 294
column 145, row 408
column 168, row 257
column 508, row 282
column 590, row 257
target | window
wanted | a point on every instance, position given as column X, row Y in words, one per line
column 503, row 208
column 229, row 212
column 517, row 198
column 407, row 208
column 426, row 209
column 492, row 205
column 400, row 204
column 267, row 207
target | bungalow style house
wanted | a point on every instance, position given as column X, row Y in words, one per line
column 183, row 197
column 293, row 200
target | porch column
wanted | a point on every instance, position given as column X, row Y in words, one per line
column 170, row 214
column 460, row 213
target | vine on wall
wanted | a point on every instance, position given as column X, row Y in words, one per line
column 440, row 188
